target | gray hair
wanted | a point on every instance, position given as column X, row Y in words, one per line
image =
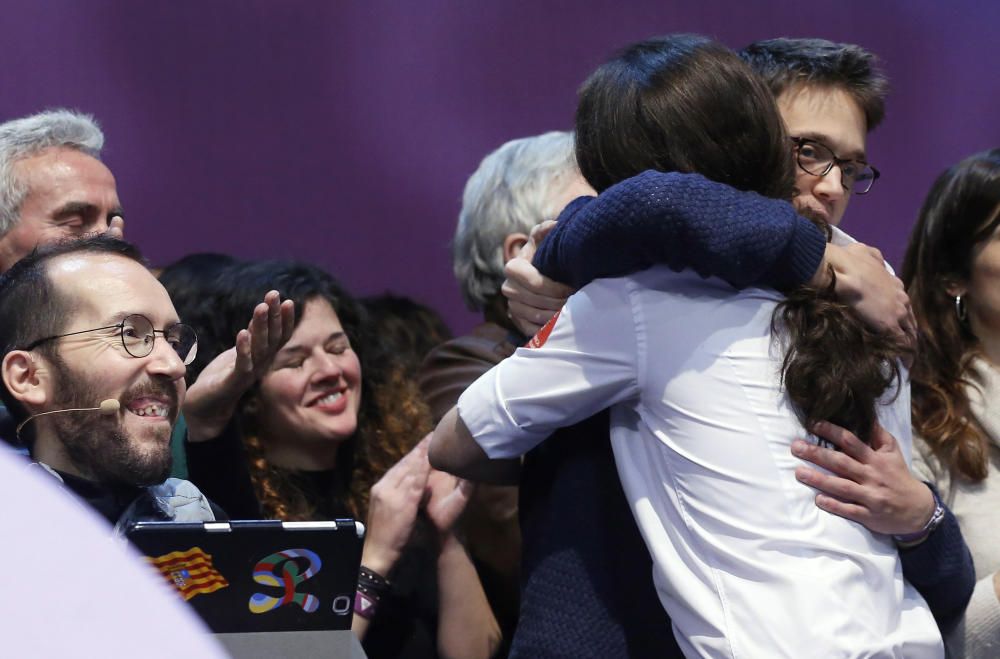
column 515, row 187
column 28, row 136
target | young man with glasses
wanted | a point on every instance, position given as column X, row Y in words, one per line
column 93, row 369
column 830, row 96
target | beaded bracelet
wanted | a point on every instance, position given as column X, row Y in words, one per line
column 372, row 581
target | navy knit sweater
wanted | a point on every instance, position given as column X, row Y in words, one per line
column 682, row 221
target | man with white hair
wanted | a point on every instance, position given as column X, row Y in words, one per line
column 52, row 186
column 52, row 183
column 520, row 185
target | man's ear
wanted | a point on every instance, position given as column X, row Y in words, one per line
column 25, row 379
column 512, row 245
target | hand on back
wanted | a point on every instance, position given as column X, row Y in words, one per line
column 532, row 298
column 868, row 484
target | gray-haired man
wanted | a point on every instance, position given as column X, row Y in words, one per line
column 516, row 187
column 52, row 183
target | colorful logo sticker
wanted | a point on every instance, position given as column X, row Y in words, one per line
column 265, row 573
column 191, row 572
column 538, row 340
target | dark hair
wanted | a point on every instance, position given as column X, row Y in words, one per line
column 684, row 103
column 681, row 103
column 193, row 283
column 961, row 210
column 785, row 64
column 407, row 329
column 32, row 308
column 391, row 418
column 835, row 366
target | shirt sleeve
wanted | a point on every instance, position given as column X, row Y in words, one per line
column 682, row 221
column 584, row 360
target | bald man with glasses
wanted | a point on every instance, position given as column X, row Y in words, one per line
column 93, row 366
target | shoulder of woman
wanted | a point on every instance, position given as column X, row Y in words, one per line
column 929, row 467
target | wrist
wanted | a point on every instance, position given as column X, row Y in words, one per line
column 448, row 542
column 372, row 587
column 202, row 427
column 824, row 273
column 451, row 552
column 202, row 430
column 379, row 561
column 925, row 512
column 932, row 516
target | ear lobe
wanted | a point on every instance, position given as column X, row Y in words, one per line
column 512, row 245
column 26, row 381
column 955, row 289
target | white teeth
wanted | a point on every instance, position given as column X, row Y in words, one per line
column 326, row 400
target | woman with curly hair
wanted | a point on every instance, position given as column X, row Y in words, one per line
column 283, row 426
column 952, row 274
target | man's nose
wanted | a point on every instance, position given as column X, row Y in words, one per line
column 831, row 186
column 164, row 360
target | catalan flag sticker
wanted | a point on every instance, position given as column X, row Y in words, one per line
column 191, row 572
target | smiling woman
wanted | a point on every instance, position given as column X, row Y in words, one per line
column 305, row 418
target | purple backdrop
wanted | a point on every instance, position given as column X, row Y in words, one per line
column 343, row 132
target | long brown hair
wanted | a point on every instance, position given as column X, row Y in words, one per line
column 961, row 210
column 835, row 366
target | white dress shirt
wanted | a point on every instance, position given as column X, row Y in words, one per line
column 744, row 562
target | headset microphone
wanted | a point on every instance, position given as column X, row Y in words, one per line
column 107, row 407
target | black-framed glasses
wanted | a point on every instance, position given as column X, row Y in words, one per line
column 818, row 159
column 138, row 337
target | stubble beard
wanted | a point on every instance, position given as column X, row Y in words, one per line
column 98, row 445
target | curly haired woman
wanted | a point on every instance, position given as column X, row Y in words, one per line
column 283, row 426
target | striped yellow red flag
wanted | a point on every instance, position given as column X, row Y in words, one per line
column 191, row 572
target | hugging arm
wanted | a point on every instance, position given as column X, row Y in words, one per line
column 586, row 363
column 873, row 486
column 455, row 451
column 688, row 221
column 682, row 221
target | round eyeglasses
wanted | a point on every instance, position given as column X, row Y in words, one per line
column 818, row 159
column 138, row 337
